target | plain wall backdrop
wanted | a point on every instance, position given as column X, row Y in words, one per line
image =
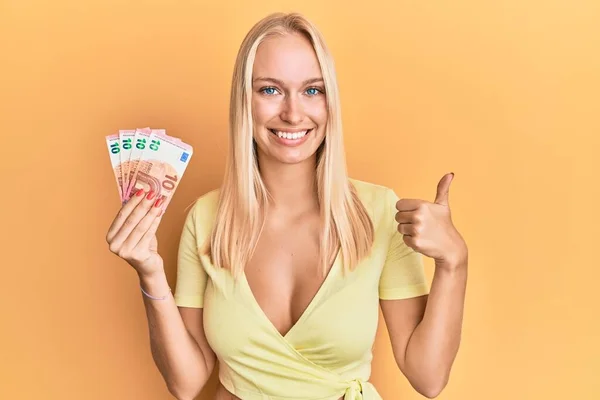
column 505, row 94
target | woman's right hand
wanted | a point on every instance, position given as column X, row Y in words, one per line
column 132, row 234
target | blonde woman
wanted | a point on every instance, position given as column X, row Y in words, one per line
column 282, row 269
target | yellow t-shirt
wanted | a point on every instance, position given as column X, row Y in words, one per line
column 327, row 353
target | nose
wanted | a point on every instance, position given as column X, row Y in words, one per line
column 292, row 111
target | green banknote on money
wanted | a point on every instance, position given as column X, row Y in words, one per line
column 147, row 159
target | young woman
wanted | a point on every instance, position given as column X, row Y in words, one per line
column 282, row 269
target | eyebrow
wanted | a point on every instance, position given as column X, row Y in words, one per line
column 280, row 83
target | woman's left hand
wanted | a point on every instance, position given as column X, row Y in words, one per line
column 428, row 228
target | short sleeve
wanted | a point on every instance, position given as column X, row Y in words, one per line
column 403, row 274
column 191, row 276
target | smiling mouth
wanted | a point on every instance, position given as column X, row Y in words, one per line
column 290, row 135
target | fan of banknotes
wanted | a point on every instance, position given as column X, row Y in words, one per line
column 147, row 159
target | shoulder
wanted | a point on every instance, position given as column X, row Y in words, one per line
column 202, row 212
column 374, row 196
column 207, row 202
column 380, row 203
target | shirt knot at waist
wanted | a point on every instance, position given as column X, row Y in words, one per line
column 359, row 389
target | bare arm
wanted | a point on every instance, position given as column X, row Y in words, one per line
column 425, row 331
column 177, row 341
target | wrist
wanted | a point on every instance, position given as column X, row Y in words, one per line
column 455, row 259
column 455, row 265
column 452, row 272
column 150, row 277
column 155, row 285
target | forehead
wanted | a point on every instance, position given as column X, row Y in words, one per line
column 289, row 58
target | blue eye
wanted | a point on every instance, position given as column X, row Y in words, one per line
column 269, row 91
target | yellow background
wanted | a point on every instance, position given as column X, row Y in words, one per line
column 503, row 93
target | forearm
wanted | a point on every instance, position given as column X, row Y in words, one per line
column 434, row 343
column 174, row 350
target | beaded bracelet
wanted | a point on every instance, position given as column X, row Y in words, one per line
column 155, row 298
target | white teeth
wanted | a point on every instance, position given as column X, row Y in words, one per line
column 290, row 135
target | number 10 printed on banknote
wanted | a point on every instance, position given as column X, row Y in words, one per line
column 147, row 159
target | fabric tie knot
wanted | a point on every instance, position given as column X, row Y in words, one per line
column 355, row 390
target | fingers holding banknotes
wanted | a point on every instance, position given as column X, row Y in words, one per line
column 148, row 166
column 132, row 234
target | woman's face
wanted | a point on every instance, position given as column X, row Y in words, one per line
column 288, row 100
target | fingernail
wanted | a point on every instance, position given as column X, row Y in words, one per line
column 159, row 202
column 139, row 192
column 150, row 195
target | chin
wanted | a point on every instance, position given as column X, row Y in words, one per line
column 291, row 157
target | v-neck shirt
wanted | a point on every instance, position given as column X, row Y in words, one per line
column 327, row 353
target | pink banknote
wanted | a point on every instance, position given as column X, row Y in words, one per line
column 148, row 159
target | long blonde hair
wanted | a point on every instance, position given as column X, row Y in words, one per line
column 243, row 198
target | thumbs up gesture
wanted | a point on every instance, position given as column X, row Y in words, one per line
column 428, row 228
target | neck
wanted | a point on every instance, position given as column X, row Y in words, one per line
column 293, row 187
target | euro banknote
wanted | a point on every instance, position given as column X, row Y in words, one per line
column 147, row 159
